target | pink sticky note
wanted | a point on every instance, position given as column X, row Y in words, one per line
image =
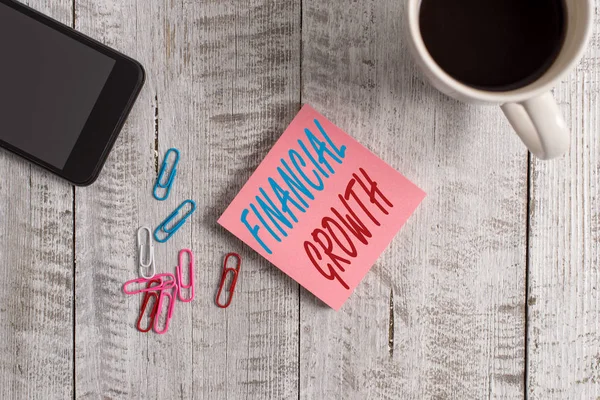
column 321, row 207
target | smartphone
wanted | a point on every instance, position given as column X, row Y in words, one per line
column 64, row 97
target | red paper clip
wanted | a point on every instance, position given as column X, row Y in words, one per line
column 226, row 271
column 171, row 294
column 147, row 296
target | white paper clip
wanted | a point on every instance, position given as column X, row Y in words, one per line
column 146, row 253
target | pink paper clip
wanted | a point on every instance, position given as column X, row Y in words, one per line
column 180, row 284
column 170, row 293
column 226, row 270
column 167, row 281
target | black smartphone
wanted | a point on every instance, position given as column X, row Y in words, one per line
column 64, row 97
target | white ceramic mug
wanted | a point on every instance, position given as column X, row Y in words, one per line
column 531, row 110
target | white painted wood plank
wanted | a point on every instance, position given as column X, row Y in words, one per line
column 36, row 296
column 456, row 271
column 112, row 357
column 564, row 300
column 223, row 82
column 245, row 91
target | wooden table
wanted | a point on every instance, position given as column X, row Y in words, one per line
column 490, row 290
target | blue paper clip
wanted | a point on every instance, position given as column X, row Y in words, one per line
column 163, row 170
column 170, row 231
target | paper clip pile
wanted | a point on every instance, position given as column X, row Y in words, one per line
column 162, row 291
column 161, row 287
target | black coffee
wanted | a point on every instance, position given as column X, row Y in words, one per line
column 494, row 45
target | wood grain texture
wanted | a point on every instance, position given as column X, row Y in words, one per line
column 245, row 90
column 36, row 296
column 564, row 297
column 112, row 359
column 223, row 82
column 440, row 316
column 456, row 271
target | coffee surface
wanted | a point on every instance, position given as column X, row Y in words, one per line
column 496, row 45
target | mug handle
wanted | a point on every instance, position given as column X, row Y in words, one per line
column 540, row 124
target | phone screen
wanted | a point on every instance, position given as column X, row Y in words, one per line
column 49, row 84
